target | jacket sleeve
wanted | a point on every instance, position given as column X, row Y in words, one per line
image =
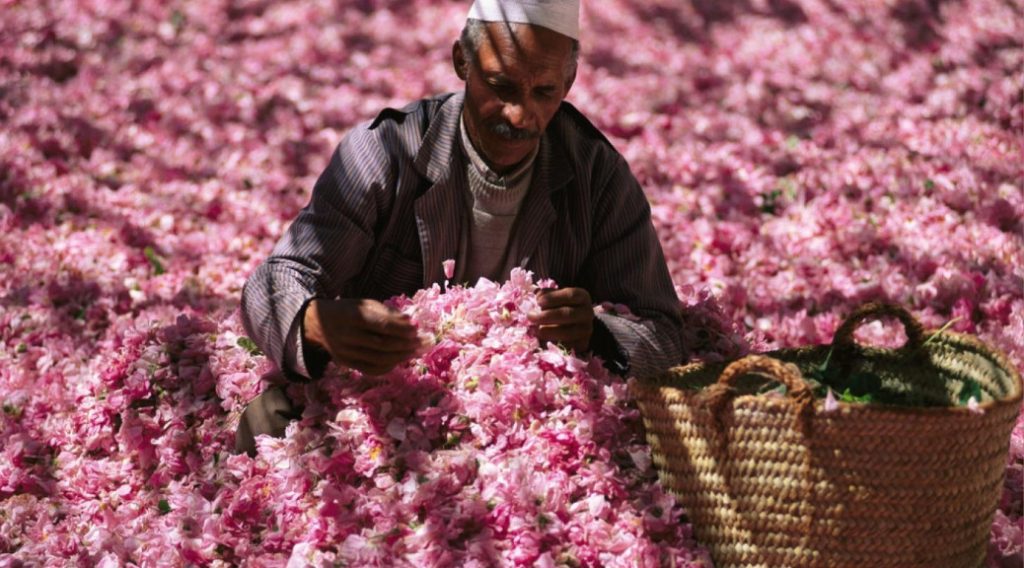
column 319, row 254
column 627, row 266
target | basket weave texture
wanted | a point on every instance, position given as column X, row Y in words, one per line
column 777, row 480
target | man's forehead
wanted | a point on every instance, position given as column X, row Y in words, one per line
column 516, row 48
column 517, row 34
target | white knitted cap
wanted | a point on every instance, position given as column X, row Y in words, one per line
column 562, row 16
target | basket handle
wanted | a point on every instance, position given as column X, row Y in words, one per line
column 797, row 389
column 874, row 310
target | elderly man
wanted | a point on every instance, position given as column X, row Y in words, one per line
column 505, row 174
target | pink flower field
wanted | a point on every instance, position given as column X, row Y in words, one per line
column 801, row 157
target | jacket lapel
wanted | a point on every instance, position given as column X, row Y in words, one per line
column 551, row 174
column 440, row 210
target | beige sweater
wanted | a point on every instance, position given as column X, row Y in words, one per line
column 494, row 201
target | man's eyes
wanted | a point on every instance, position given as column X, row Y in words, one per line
column 502, row 88
column 505, row 89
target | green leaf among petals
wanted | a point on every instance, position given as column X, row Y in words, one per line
column 154, row 261
column 249, row 345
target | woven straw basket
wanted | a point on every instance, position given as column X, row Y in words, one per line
column 777, row 480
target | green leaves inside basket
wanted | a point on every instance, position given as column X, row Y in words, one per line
column 906, row 376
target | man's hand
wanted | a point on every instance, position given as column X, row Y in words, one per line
column 364, row 335
column 566, row 316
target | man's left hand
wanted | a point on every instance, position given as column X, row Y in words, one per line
column 566, row 316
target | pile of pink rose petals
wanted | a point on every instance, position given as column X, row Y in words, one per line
column 801, row 157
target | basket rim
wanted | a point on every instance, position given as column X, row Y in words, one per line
column 654, row 382
column 844, row 408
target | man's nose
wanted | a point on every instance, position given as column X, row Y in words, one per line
column 518, row 114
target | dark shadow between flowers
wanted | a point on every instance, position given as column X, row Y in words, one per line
column 32, row 457
column 921, row 20
column 70, row 306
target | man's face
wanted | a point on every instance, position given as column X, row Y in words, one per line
column 514, row 86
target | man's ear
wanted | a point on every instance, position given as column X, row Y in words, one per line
column 459, row 61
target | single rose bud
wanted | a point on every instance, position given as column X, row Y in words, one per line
column 831, row 404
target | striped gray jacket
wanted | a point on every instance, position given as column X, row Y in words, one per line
column 389, row 208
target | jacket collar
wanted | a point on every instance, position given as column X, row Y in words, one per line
column 434, row 158
column 553, row 171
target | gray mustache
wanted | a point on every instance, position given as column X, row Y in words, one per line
column 509, row 132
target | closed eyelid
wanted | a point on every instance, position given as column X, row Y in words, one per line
column 502, row 85
column 498, row 78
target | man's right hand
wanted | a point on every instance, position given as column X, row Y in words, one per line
column 364, row 335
